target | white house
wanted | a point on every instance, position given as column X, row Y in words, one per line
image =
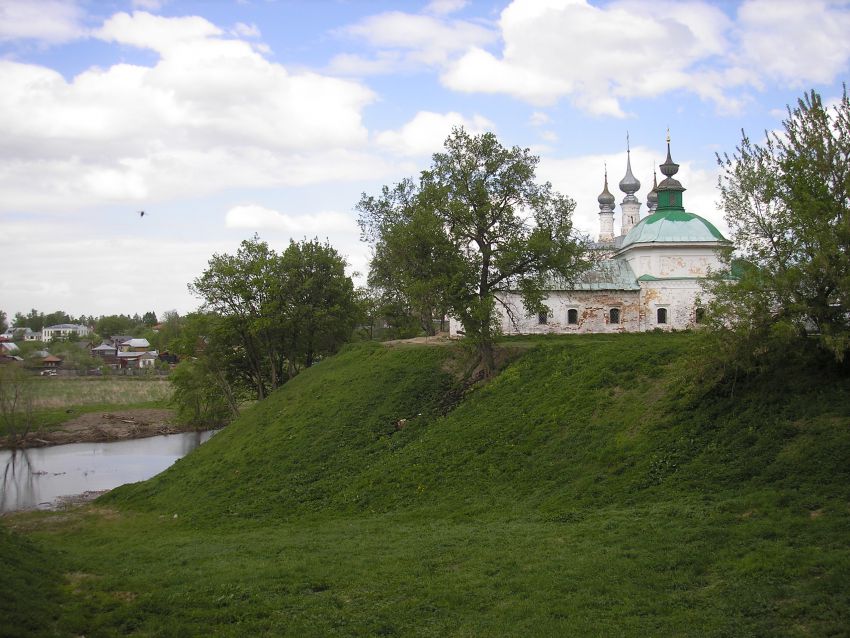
column 650, row 274
column 63, row 330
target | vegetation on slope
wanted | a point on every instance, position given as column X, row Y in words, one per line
column 597, row 486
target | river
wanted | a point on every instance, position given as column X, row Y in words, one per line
column 40, row 478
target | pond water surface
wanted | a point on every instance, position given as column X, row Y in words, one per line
column 40, row 477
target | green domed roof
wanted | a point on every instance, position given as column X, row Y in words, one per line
column 666, row 226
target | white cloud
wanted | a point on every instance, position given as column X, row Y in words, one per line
column 211, row 113
column 246, row 30
column 444, row 7
column 405, row 41
column 596, row 55
column 602, row 56
column 256, row 217
column 52, row 21
column 426, row 132
column 81, row 272
column 795, row 42
column 539, row 118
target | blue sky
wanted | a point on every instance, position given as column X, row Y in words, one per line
column 225, row 118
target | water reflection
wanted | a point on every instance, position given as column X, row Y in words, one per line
column 38, row 477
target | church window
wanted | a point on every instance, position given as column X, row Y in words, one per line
column 614, row 315
column 661, row 315
column 699, row 315
column 572, row 316
column 542, row 317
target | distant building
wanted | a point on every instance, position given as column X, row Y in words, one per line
column 21, row 334
column 62, row 331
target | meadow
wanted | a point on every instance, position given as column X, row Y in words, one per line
column 56, row 400
column 65, row 392
column 597, row 486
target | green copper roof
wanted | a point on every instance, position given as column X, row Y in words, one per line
column 665, row 226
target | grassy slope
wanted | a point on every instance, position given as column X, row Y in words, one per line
column 587, row 490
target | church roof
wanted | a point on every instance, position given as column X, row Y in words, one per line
column 611, row 274
column 672, row 226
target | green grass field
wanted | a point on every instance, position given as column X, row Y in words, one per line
column 598, row 486
column 63, row 392
column 56, row 400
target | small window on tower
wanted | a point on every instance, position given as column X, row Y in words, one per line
column 614, row 315
column 661, row 315
column 542, row 318
column 572, row 316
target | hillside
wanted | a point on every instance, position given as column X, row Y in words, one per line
column 596, row 486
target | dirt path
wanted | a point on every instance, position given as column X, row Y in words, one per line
column 114, row 425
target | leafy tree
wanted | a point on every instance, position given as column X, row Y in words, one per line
column 53, row 319
column 242, row 289
column 16, row 404
column 74, row 355
column 316, row 302
column 201, row 396
column 110, row 325
column 149, row 318
column 170, row 327
column 413, row 260
column 787, row 204
column 4, row 324
column 279, row 312
column 506, row 232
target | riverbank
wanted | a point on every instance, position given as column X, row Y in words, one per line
column 105, row 426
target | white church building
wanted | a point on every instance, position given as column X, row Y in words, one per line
column 648, row 277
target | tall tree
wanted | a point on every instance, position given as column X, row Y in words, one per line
column 316, row 300
column 4, row 324
column 280, row 312
column 413, row 259
column 242, row 288
column 787, row 204
column 506, row 232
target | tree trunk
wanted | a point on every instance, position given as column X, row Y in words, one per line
column 488, row 362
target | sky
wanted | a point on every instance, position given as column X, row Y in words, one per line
column 225, row 118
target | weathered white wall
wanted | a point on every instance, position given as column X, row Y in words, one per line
column 677, row 296
column 671, row 260
column 638, row 310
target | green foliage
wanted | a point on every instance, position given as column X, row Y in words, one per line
column 109, row 325
column 74, row 354
column 4, row 324
column 16, row 403
column 36, row 320
column 201, row 396
column 276, row 313
column 414, row 260
column 484, row 227
column 787, row 205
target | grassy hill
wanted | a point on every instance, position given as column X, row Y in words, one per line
column 599, row 485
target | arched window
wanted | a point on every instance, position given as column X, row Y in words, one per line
column 572, row 316
column 699, row 315
column 614, row 315
column 661, row 315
